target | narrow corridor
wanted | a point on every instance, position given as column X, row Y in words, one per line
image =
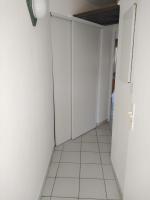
column 81, row 169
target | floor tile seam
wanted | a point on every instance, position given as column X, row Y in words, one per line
column 84, row 163
column 87, row 151
column 56, row 173
column 66, row 177
column 66, row 197
column 80, row 170
column 102, row 167
column 61, row 197
column 81, row 198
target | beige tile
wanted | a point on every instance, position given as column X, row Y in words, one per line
column 112, row 190
column 56, row 156
column 53, row 169
column 92, row 188
column 47, row 190
column 68, row 170
column 91, row 171
column 105, row 157
column 72, row 157
column 91, row 147
column 105, row 148
column 59, row 147
column 108, row 172
column 66, row 187
column 89, row 138
column 104, row 139
column 72, row 147
column 90, row 157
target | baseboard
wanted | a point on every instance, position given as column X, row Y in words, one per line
column 46, row 175
column 120, row 191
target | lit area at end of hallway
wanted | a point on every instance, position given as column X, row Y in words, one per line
column 81, row 168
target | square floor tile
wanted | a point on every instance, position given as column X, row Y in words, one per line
column 53, row 169
column 56, row 156
column 66, row 187
column 90, row 157
column 45, row 198
column 105, row 148
column 72, row 157
column 72, row 146
column 89, row 138
column 91, row 147
column 68, row 170
column 105, row 157
column 60, row 198
column 92, row 132
column 112, row 189
column 105, row 126
column 104, row 139
column 91, row 171
column 47, row 190
column 92, row 188
column 103, row 132
column 108, row 172
column 59, row 147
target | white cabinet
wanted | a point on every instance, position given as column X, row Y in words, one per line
column 85, row 64
column 61, row 40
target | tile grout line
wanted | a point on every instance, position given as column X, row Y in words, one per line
column 108, row 179
column 101, row 165
column 61, row 197
column 56, row 174
column 80, row 168
column 84, row 163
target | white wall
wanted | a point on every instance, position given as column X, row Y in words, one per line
column 122, row 107
column 62, row 44
column 26, row 105
column 70, row 7
column 104, row 73
column 137, row 185
column 84, row 77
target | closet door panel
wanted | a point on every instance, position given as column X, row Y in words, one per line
column 61, row 40
column 85, row 64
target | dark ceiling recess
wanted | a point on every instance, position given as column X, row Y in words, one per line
column 105, row 16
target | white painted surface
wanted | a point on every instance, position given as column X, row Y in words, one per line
column 26, row 103
column 75, row 19
column 70, row 7
column 104, row 73
column 123, row 99
column 84, row 77
column 61, row 39
column 137, row 183
column 129, row 18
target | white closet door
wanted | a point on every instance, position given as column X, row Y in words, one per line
column 84, row 77
column 61, row 40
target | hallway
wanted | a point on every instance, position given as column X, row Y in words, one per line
column 81, row 169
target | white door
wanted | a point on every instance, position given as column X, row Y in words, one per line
column 137, row 182
column 61, row 41
column 85, row 64
column 123, row 93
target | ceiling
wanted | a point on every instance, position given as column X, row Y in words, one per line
column 106, row 15
column 72, row 7
column 101, row 2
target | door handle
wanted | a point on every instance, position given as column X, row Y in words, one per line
column 131, row 115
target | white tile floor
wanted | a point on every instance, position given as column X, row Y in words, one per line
column 81, row 169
